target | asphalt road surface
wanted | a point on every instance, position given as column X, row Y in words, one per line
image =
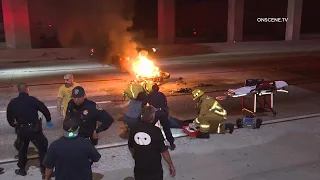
column 107, row 83
column 274, row 152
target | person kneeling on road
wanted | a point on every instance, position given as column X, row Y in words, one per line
column 132, row 91
column 88, row 113
column 71, row 155
column 132, row 115
column 211, row 116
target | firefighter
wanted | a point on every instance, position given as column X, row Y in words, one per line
column 211, row 116
column 132, row 91
column 147, row 86
column 132, row 115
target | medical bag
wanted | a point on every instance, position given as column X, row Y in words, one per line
column 249, row 122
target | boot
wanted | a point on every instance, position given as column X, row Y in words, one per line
column 203, row 136
column 172, row 146
column 125, row 133
column 229, row 127
column 20, row 172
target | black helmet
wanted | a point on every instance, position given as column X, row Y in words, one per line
column 71, row 127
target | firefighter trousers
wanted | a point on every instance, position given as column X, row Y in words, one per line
column 39, row 141
column 212, row 123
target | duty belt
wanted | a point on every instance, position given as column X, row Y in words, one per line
column 158, row 109
column 28, row 124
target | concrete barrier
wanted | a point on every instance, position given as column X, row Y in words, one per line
column 178, row 50
column 164, row 51
column 44, row 54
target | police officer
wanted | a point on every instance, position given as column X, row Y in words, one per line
column 71, row 155
column 88, row 112
column 159, row 101
column 22, row 114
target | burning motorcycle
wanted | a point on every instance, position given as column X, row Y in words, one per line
column 142, row 66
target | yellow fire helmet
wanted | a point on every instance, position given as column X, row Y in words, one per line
column 147, row 86
column 197, row 93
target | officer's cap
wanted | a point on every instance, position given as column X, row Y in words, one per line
column 78, row 92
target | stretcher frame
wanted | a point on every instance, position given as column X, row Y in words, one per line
column 257, row 97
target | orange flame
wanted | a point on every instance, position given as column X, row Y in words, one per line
column 144, row 68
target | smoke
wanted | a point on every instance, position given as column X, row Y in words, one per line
column 102, row 24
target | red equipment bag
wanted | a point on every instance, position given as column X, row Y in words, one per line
column 190, row 132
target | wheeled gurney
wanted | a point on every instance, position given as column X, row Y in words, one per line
column 259, row 89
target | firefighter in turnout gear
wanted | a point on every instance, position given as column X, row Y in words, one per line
column 147, row 86
column 132, row 91
column 211, row 116
column 131, row 95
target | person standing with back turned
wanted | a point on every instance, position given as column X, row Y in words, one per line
column 146, row 144
column 159, row 101
column 71, row 155
column 22, row 114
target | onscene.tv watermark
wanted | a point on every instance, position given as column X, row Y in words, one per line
column 272, row 20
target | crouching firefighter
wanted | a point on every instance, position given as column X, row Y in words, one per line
column 132, row 99
column 147, row 86
column 211, row 116
column 132, row 91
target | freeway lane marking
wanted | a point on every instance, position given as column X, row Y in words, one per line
column 54, row 107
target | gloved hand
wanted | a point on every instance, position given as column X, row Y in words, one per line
column 193, row 126
column 50, row 125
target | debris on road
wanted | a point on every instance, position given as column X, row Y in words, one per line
column 204, row 85
column 184, row 90
column 64, row 58
column 179, row 80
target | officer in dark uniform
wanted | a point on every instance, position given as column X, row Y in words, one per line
column 22, row 114
column 71, row 156
column 88, row 112
column 159, row 101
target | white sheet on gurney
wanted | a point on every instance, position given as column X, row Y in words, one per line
column 248, row 89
